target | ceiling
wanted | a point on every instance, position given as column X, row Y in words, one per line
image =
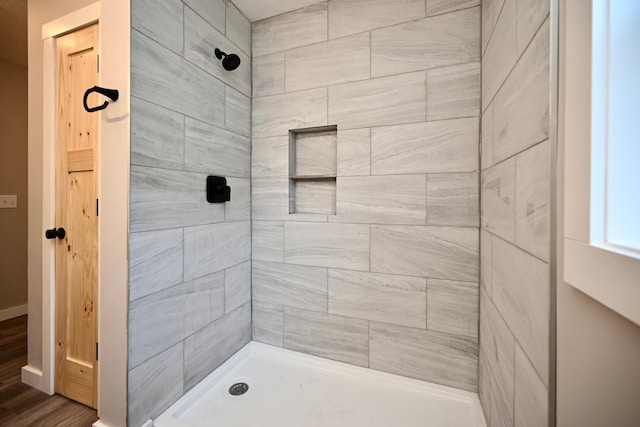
column 13, row 31
column 261, row 9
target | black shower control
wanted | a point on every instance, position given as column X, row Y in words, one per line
column 217, row 189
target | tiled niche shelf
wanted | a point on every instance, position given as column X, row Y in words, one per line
column 312, row 170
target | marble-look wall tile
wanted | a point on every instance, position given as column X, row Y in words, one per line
column 487, row 137
column 162, row 198
column 521, row 108
column 315, row 197
column 490, row 13
column 155, row 385
column 237, row 286
column 532, row 396
column 157, row 19
column 213, row 11
column 484, row 386
column 268, row 323
column 327, row 245
column 437, row 41
column 298, row 28
column 275, row 115
column 498, row 199
column 452, row 307
column 290, row 285
column 238, row 28
column 500, row 416
column 452, row 199
column 214, row 150
column 437, row 7
column 237, row 112
column 155, row 261
column 384, row 101
column 530, row 14
column 354, row 152
column 486, row 259
column 200, row 38
column 157, row 136
column 239, row 207
column 501, row 53
column 327, row 335
column 211, row 248
column 453, row 92
column 268, row 74
column 498, row 344
column 444, row 146
column 166, row 308
column 267, row 241
column 355, row 16
column 398, row 300
column 162, row 77
column 328, row 63
column 270, row 157
column 316, row 153
column 208, row 348
column 532, row 201
column 429, row 356
column 270, row 199
column 521, row 292
column 436, row 252
column 392, row 199
column 204, row 302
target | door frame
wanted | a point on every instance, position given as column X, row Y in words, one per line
column 113, row 189
column 68, row 23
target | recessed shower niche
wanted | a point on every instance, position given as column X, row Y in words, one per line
column 312, row 170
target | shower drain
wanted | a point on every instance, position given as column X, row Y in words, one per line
column 238, row 389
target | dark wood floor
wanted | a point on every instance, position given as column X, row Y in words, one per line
column 21, row 405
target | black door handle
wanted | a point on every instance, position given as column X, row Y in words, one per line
column 55, row 232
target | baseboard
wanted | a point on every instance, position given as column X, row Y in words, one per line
column 11, row 312
column 32, row 377
column 99, row 423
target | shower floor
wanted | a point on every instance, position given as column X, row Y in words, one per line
column 290, row 389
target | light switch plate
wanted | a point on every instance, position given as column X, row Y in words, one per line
column 8, row 202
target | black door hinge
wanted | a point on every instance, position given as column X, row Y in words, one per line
column 96, row 351
column 97, row 207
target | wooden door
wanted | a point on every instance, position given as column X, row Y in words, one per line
column 76, row 211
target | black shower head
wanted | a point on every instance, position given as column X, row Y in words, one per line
column 230, row 62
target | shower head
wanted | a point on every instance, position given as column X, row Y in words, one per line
column 230, row 62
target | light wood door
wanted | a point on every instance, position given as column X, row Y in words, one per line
column 76, row 211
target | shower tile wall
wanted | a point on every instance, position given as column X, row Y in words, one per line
column 515, row 237
column 190, row 272
column 391, row 281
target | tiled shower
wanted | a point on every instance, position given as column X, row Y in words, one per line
column 369, row 222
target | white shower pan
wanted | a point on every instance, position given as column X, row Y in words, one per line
column 289, row 389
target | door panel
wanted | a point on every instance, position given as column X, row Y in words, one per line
column 76, row 193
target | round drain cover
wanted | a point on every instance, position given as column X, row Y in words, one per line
column 238, row 389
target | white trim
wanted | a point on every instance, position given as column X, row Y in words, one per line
column 99, row 423
column 608, row 276
column 11, row 312
column 77, row 19
column 32, row 377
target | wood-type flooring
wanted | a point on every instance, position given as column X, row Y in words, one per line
column 24, row 406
